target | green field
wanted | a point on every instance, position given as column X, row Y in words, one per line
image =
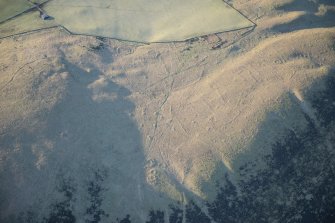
column 136, row 20
column 10, row 8
column 146, row 20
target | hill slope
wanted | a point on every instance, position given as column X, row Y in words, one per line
column 94, row 130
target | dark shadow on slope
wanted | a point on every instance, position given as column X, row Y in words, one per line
column 310, row 19
column 176, row 215
column 96, row 161
column 298, row 184
column 62, row 211
column 304, row 5
column 156, row 217
column 106, row 137
column 194, row 214
column 324, row 104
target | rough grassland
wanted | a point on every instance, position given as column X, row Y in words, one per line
column 235, row 127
